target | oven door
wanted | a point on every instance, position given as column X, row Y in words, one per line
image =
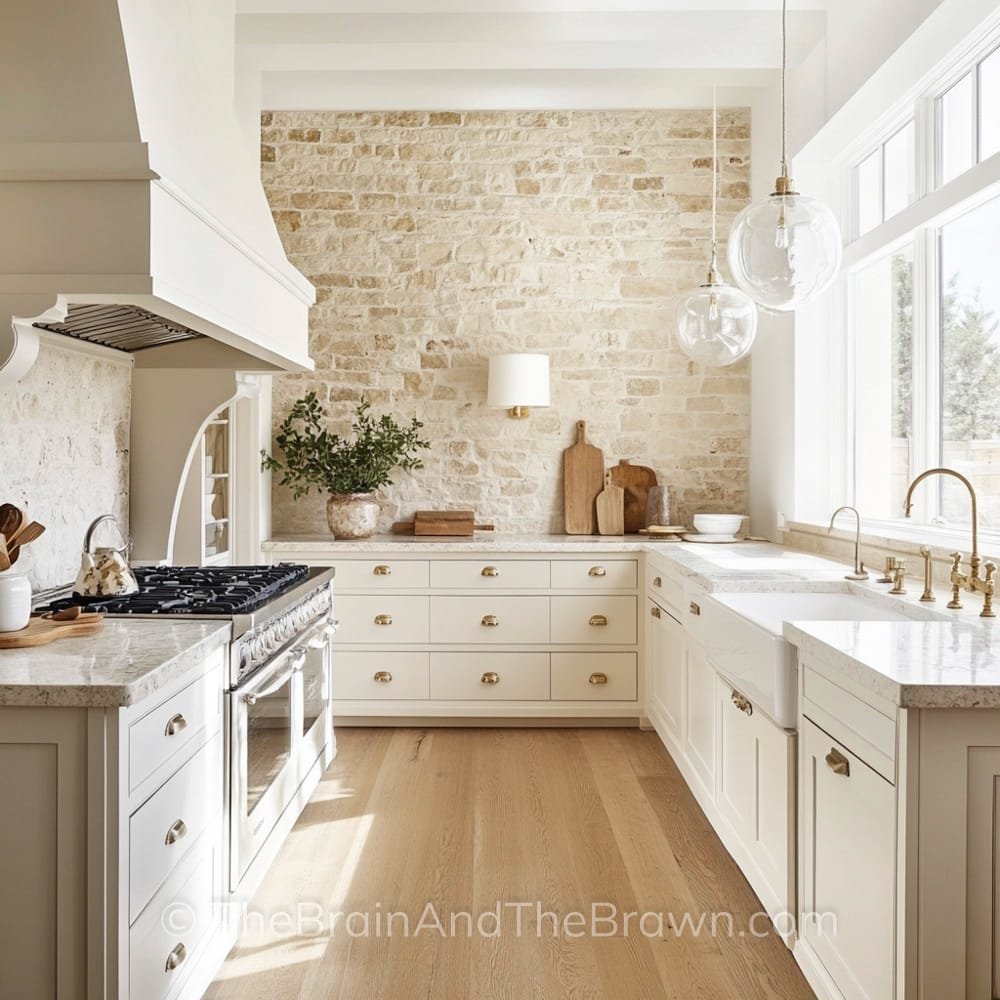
column 265, row 723
column 317, row 698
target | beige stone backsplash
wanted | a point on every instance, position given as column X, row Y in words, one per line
column 436, row 240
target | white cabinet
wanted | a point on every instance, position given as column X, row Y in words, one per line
column 848, row 866
column 699, row 715
column 665, row 653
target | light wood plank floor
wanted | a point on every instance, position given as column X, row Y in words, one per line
column 464, row 819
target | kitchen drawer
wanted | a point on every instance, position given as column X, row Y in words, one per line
column 594, row 677
column 490, row 574
column 476, row 676
column 489, row 619
column 382, row 676
column 595, row 574
column 860, row 727
column 163, row 830
column 171, row 732
column 164, row 942
column 665, row 589
column 594, row 620
column 381, row 574
column 382, row 618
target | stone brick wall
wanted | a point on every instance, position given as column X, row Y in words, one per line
column 438, row 239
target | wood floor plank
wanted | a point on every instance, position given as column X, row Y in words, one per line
column 466, row 820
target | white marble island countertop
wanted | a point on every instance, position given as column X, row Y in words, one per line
column 931, row 664
column 122, row 664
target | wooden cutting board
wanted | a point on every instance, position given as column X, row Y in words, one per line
column 583, row 478
column 610, row 506
column 41, row 631
column 635, row 480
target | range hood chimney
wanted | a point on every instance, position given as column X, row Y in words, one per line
column 131, row 208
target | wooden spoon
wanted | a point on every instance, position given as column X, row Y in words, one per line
column 4, row 557
column 28, row 533
column 11, row 519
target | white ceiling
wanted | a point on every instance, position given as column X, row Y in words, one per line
column 513, row 53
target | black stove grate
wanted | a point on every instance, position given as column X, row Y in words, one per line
column 195, row 590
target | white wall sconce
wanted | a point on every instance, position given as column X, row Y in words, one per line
column 518, row 382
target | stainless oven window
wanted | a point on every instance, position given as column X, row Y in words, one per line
column 269, row 741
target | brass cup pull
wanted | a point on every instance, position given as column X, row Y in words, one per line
column 695, row 609
column 599, row 621
column 382, row 677
column 178, row 829
column 382, row 571
column 383, row 619
column 599, row 678
column 489, row 571
column 175, row 958
column 657, row 581
column 175, row 724
column 838, row 763
column 597, row 571
column 490, row 621
column 490, row 677
column 742, row 703
column 655, row 611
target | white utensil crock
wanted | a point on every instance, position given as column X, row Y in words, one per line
column 15, row 601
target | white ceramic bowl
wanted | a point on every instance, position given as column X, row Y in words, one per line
column 718, row 524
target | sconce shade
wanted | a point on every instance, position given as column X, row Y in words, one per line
column 518, row 380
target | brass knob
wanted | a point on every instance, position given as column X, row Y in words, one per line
column 176, row 956
column 657, row 581
column 599, row 621
column 490, row 621
column 382, row 571
column 598, row 678
column 175, row 724
column 838, row 763
column 178, row 829
column 655, row 611
column 490, row 677
column 597, row 571
column 742, row 703
column 489, row 571
column 695, row 609
column 383, row 619
column 382, row 677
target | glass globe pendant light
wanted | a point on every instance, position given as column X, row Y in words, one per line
column 785, row 251
column 716, row 323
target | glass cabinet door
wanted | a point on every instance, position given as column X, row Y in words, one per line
column 216, row 505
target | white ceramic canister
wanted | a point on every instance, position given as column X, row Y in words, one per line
column 15, row 601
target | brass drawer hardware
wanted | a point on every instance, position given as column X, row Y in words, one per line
column 382, row 571
column 599, row 678
column 490, row 621
column 599, row 621
column 383, row 619
column 175, row 958
column 382, row 677
column 838, row 763
column 655, row 611
column 597, row 571
column 490, row 571
column 175, row 724
column 657, row 581
column 742, row 703
column 178, row 829
column 695, row 609
column 490, row 677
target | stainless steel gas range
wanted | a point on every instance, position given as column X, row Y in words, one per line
column 278, row 698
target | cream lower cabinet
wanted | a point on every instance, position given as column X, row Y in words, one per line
column 665, row 653
column 112, row 845
column 483, row 634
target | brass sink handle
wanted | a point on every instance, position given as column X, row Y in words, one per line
column 838, row 763
column 928, row 595
column 887, row 573
column 899, row 577
column 989, row 589
column 958, row 581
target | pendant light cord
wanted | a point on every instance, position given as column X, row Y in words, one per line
column 715, row 170
column 784, row 100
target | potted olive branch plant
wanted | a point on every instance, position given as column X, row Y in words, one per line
column 351, row 470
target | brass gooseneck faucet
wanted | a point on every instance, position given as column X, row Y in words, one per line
column 971, row 581
column 860, row 573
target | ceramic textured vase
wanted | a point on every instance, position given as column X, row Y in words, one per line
column 352, row 515
column 15, row 601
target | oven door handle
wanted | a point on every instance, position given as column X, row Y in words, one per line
column 322, row 634
column 298, row 660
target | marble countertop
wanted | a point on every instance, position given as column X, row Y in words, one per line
column 122, row 664
column 930, row 664
column 485, row 541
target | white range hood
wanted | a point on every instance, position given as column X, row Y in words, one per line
column 130, row 201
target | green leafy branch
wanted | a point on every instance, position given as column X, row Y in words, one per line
column 313, row 456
